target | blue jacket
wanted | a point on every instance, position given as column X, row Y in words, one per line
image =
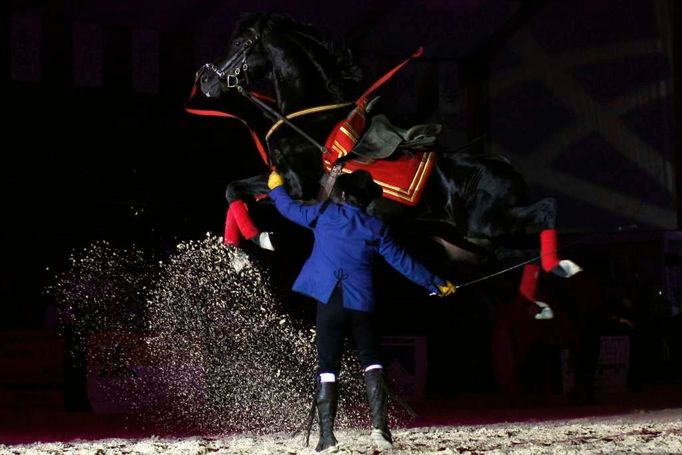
column 347, row 241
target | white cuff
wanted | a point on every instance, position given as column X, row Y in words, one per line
column 327, row 377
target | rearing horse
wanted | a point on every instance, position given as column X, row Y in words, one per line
column 471, row 205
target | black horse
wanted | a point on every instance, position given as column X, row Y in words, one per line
column 473, row 204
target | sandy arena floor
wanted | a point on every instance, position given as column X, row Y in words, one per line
column 657, row 432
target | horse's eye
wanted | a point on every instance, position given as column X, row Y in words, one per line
column 237, row 43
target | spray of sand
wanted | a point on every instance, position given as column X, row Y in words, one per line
column 225, row 354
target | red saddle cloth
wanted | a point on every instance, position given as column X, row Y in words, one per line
column 402, row 178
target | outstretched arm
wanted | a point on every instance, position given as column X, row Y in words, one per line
column 298, row 212
column 403, row 262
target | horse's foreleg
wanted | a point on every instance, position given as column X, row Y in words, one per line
column 238, row 217
column 238, row 222
column 232, row 234
column 247, row 189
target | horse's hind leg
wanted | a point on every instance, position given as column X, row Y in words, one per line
column 540, row 215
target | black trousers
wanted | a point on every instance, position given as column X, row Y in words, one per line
column 333, row 321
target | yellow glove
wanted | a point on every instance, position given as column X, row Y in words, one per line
column 446, row 289
column 275, row 180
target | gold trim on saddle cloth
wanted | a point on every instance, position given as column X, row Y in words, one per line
column 410, row 193
column 339, row 148
column 310, row 110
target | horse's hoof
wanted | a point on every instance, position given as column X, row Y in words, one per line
column 566, row 268
column 264, row 240
column 545, row 313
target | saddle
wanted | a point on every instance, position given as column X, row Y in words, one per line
column 352, row 145
column 400, row 160
column 382, row 138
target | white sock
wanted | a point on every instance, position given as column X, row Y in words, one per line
column 374, row 366
column 327, row 377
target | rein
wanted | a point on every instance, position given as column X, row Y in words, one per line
column 310, row 110
column 214, row 113
column 280, row 118
column 229, row 74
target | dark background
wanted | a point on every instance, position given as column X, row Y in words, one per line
column 579, row 95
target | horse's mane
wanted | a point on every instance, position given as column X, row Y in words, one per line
column 346, row 68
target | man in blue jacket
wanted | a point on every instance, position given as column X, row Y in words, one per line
column 338, row 274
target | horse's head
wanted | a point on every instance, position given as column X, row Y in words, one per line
column 300, row 64
column 303, row 69
column 246, row 60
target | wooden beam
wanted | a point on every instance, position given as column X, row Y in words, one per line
column 475, row 72
column 522, row 16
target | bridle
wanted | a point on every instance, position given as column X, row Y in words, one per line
column 229, row 73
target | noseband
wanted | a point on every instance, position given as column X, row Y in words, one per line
column 229, row 72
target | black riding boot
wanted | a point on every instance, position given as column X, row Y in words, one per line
column 377, row 394
column 327, row 400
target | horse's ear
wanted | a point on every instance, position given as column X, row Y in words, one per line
column 249, row 20
column 271, row 20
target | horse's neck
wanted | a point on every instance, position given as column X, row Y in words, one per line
column 292, row 97
column 303, row 85
column 318, row 125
